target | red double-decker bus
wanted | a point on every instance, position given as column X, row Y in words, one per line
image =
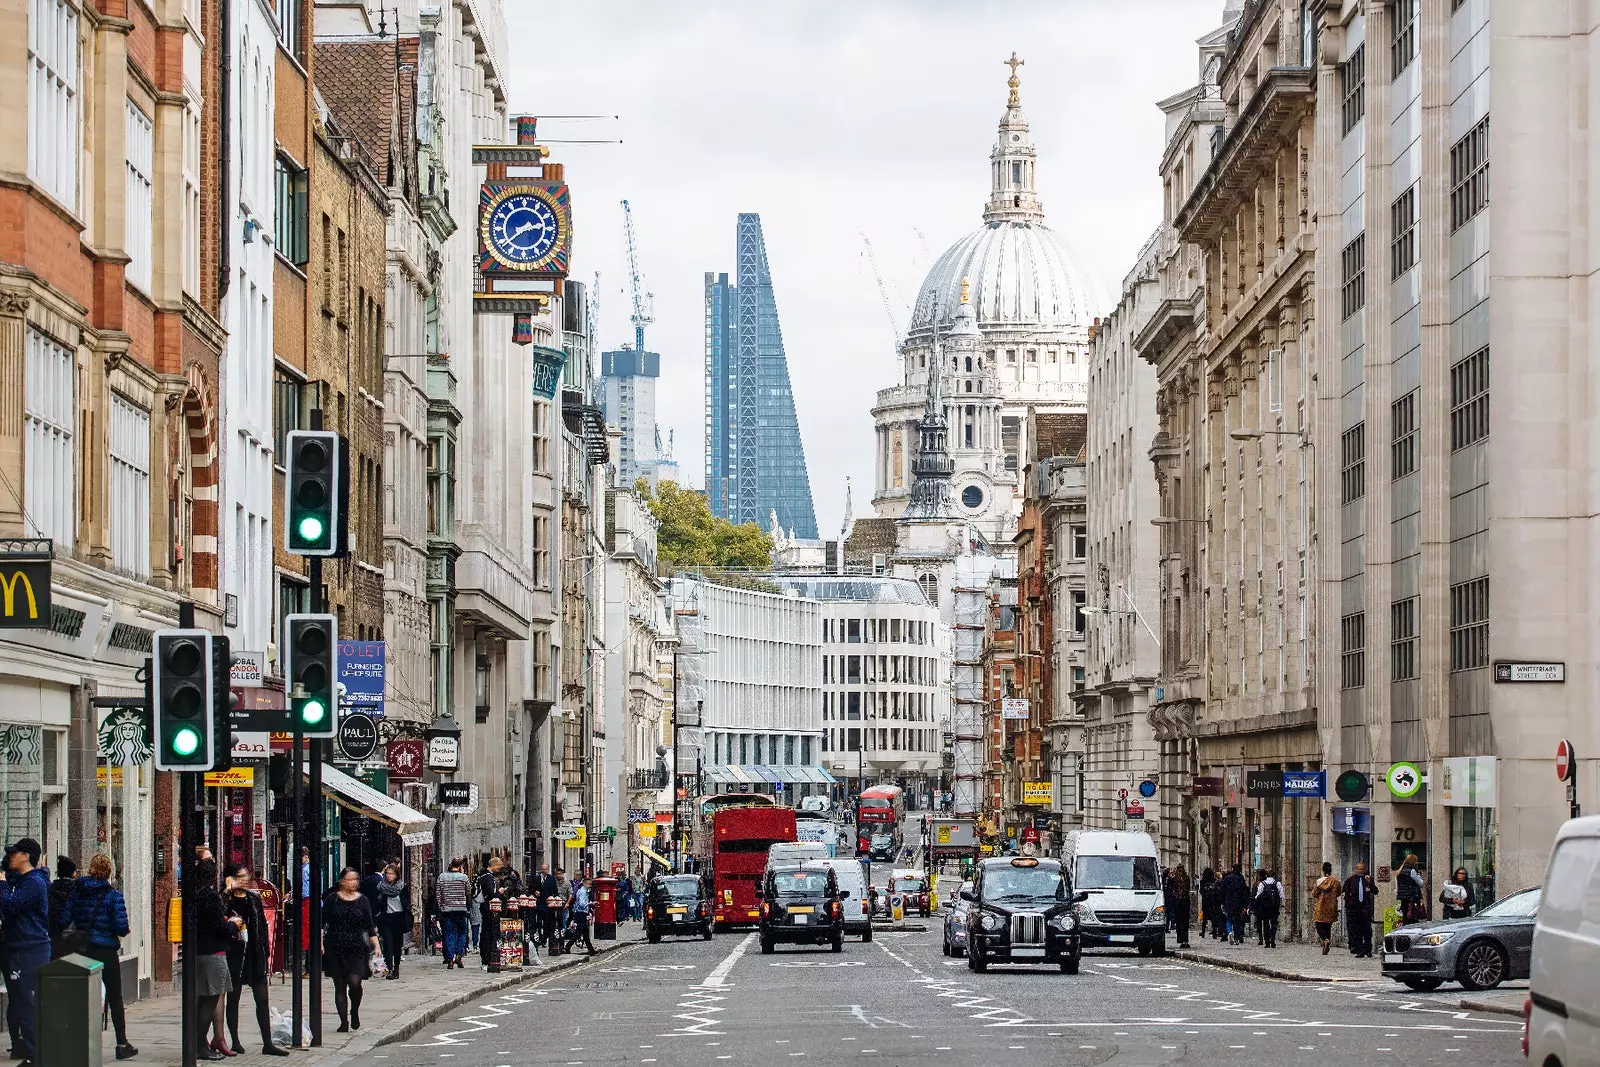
column 735, row 851
column 879, row 813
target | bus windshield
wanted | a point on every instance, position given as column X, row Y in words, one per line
column 1117, row 872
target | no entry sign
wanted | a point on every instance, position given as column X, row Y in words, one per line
column 1566, row 762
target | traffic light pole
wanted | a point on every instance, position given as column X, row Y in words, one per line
column 296, row 958
column 318, row 877
column 188, row 846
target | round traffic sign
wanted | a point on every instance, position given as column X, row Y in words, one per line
column 1404, row 780
column 1351, row 786
column 1122, row 794
column 1147, row 788
column 1566, row 762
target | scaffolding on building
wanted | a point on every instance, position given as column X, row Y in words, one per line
column 969, row 609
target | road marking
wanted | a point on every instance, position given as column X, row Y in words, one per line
column 719, row 974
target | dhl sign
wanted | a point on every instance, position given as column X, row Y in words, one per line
column 25, row 584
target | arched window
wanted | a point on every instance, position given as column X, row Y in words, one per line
column 930, row 587
column 969, row 364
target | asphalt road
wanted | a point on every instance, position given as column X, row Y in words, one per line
column 899, row 1001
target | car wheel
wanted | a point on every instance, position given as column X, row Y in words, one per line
column 1423, row 985
column 766, row 947
column 654, row 937
column 838, row 942
column 944, row 946
column 1069, row 965
column 866, row 937
column 1159, row 949
column 1481, row 965
column 976, row 963
column 1144, row 948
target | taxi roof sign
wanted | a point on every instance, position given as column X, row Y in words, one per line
column 1024, row 861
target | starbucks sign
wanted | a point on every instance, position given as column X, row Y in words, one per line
column 124, row 737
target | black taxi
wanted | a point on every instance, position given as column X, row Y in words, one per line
column 1020, row 910
column 801, row 904
column 675, row 905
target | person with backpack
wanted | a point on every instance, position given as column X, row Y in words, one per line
column 1267, row 905
column 97, row 916
column 451, row 900
column 1408, row 892
column 61, row 942
column 1210, row 909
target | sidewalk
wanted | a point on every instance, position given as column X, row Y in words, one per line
column 390, row 1011
column 1293, row 962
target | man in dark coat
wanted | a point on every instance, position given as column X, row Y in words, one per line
column 488, row 889
column 1360, row 898
column 544, row 889
column 1234, row 894
column 1179, row 890
column 61, row 905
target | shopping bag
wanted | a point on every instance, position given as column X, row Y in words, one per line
column 378, row 965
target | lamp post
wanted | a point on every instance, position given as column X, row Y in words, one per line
column 677, row 751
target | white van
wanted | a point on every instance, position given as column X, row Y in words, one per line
column 1119, row 872
column 852, row 879
column 1563, row 1009
column 796, row 852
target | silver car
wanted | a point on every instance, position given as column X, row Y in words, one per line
column 955, row 924
column 1480, row 951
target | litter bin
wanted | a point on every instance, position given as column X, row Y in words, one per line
column 605, row 909
column 68, row 1025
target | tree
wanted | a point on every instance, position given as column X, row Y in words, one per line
column 691, row 538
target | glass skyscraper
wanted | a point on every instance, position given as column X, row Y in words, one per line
column 755, row 460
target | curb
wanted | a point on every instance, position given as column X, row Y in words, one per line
column 1262, row 970
column 1491, row 1006
column 418, row 1020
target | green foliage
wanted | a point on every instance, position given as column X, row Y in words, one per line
column 691, row 538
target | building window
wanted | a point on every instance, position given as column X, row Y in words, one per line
column 1403, row 639
column 291, row 21
column 853, row 669
column 1469, row 175
column 293, row 212
column 1353, row 277
column 541, row 550
column 50, row 412
column 294, row 598
column 1353, row 651
column 141, row 144
column 191, row 202
column 541, row 437
column 1353, row 464
column 1403, row 224
column 1403, row 449
column 53, row 98
column 1469, row 625
column 852, row 631
column 1080, row 621
column 1402, row 36
column 1353, row 90
column 288, row 402
column 129, row 488
column 1080, row 542
column 930, row 588
column 1469, row 400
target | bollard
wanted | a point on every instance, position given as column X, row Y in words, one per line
column 68, row 1025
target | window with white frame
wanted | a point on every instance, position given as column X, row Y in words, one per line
column 191, row 202
column 140, row 196
column 53, row 98
column 128, row 487
column 50, row 409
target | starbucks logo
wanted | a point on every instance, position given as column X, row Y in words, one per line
column 125, row 738
column 19, row 745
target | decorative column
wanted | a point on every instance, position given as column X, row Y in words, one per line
column 13, row 334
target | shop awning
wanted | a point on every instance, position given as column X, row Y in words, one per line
column 762, row 773
column 656, row 856
column 415, row 828
column 826, row 777
column 740, row 776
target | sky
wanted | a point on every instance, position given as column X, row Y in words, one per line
column 834, row 120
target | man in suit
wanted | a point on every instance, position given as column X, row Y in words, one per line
column 1234, row 895
column 544, row 887
column 1360, row 898
column 488, row 886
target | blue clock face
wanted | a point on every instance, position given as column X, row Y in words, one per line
column 523, row 228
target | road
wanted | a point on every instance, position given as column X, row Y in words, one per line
column 899, row 1001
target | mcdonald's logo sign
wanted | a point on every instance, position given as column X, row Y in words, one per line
column 24, row 589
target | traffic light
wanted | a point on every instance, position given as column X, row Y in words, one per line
column 184, row 694
column 222, row 697
column 315, row 508
column 311, row 644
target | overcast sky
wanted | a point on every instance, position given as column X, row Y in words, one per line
column 833, row 119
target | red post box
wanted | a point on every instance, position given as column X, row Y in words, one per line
column 605, row 908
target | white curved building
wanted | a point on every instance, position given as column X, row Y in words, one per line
column 1032, row 307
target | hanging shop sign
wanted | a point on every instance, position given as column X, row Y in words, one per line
column 123, row 738
column 234, row 778
column 1519, row 671
column 1305, row 783
column 1206, row 787
column 1351, row 786
column 444, row 753
column 358, row 736
column 1037, row 793
column 1351, row 820
column 1467, row 781
column 1404, row 780
column 405, row 758
column 458, row 798
column 1263, row 784
column 25, row 564
column 524, row 230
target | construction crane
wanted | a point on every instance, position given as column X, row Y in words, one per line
column 643, row 303
column 883, row 289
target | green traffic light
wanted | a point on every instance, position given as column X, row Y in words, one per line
column 186, row 742
column 311, row 529
column 312, row 712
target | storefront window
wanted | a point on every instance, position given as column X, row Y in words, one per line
column 21, row 782
column 1472, row 846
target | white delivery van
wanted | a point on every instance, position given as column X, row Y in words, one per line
column 1563, row 1008
column 1119, row 872
column 852, row 879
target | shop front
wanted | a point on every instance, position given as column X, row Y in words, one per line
column 1467, row 793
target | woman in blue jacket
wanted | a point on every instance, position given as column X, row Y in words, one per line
column 98, row 911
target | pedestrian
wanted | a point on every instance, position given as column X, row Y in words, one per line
column 450, row 901
column 1234, row 896
column 98, row 914
column 1408, row 891
column 544, row 892
column 60, row 902
column 1210, row 911
column 488, row 887
column 624, row 899
column 1179, row 888
column 1254, row 919
column 215, row 933
column 563, row 899
column 474, row 910
column 369, row 886
column 249, row 956
column 350, row 940
column 25, row 911
column 1166, row 894
column 1325, row 906
column 1457, row 896
column 580, row 915
column 1268, row 903
column 305, row 905
column 394, row 918
column 1360, row 896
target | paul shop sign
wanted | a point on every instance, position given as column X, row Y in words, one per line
column 1286, row 783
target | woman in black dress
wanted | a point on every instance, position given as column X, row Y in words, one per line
column 248, row 957
column 350, row 938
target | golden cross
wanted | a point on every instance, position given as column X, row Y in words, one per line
column 1014, row 63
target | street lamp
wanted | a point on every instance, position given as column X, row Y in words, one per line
column 1253, row 434
column 677, row 749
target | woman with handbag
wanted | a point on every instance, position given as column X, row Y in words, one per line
column 248, row 957
column 394, row 917
column 349, row 943
column 215, row 933
column 98, row 915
